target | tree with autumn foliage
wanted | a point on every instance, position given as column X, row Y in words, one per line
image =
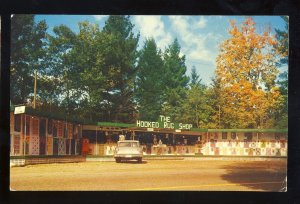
column 246, row 72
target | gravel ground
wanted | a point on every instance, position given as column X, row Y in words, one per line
column 155, row 175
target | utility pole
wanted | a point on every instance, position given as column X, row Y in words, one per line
column 34, row 97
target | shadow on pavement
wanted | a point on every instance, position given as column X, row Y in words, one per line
column 133, row 162
column 257, row 175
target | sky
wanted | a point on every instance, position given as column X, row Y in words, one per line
column 198, row 36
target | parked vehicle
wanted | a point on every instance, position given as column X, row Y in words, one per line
column 128, row 150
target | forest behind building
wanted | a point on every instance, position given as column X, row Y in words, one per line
column 101, row 75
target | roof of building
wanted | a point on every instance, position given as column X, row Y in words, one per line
column 53, row 115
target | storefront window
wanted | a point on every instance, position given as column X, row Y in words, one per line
column 42, row 128
column 115, row 138
column 27, row 125
column 233, row 135
column 65, row 130
column 79, row 131
column 224, row 135
column 75, row 131
column 17, row 125
column 50, row 123
column 55, row 129
column 248, row 135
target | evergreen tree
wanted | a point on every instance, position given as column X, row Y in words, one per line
column 176, row 81
column 196, row 106
column 89, row 79
column 120, row 67
column 195, row 78
column 150, row 82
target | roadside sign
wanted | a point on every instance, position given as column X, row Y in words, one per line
column 19, row 109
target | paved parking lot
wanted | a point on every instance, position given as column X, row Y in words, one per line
column 157, row 175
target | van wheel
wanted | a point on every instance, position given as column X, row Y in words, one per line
column 139, row 160
column 118, row 160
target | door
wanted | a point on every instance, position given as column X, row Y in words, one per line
column 42, row 134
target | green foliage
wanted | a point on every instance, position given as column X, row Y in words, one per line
column 98, row 75
column 120, row 67
column 150, row 81
column 195, row 78
column 196, row 106
column 282, row 46
column 27, row 53
column 60, row 68
column 175, row 80
column 88, row 60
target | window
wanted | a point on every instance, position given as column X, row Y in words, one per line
column 233, row 135
column 17, row 125
column 248, row 135
column 42, row 127
column 75, row 131
column 65, row 128
column 79, row 131
column 55, row 129
column 128, row 144
column 50, row 123
column 27, row 125
column 224, row 135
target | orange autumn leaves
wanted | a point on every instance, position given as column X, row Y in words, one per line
column 246, row 71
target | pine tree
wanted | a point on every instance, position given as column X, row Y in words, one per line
column 120, row 67
column 150, row 84
column 176, row 81
column 197, row 107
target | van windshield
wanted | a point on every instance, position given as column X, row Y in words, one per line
column 128, row 144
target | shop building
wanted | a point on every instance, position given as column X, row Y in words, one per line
column 211, row 142
column 39, row 133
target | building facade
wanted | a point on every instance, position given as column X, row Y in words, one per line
column 210, row 142
column 36, row 134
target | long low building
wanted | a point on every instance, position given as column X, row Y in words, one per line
column 39, row 133
column 229, row 142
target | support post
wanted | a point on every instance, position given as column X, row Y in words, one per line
column 34, row 97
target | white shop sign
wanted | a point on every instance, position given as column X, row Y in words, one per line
column 20, row 110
